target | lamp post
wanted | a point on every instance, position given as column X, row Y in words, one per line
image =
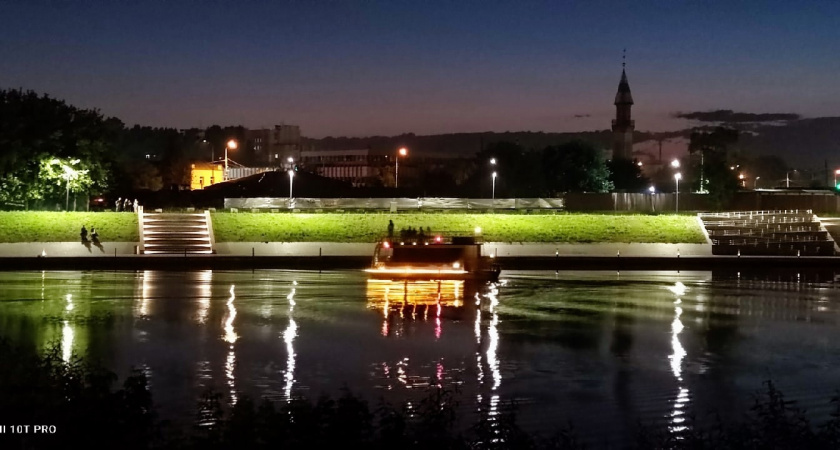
column 291, row 181
column 231, row 144
column 401, row 152
column 787, row 177
column 675, row 164
column 677, row 177
column 836, row 172
column 494, row 187
column 69, row 174
column 755, row 183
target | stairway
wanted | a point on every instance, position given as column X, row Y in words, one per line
column 176, row 233
column 778, row 233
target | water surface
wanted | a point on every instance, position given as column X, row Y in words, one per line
column 603, row 350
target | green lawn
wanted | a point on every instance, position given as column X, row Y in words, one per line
column 358, row 227
column 39, row 226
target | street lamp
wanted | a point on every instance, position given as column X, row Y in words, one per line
column 787, row 177
column 494, row 187
column 675, row 164
column 755, row 183
column 677, row 177
column 291, row 180
column 493, row 161
column 69, row 174
column 836, row 172
column 741, row 177
column 402, row 152
column 231, row 144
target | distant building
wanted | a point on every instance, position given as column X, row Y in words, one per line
column 203, row 174
column 273, row 147
column 623, row 125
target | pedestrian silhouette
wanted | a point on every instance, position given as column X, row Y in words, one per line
column 84, row 234
column 94, row 235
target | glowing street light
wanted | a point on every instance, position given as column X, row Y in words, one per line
column 836, row 172
column 755, row 183
column 68, row 175
column 677, row 177
column 401, row 152
column 652, row 189
column 231, row 144
column 493, row 161
column 741, row 177
column 291, row 181
column 675, row 164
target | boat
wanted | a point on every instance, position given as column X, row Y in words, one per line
column 434, row 258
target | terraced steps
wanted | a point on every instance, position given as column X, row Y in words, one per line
column 176, row 233
column 778, row 233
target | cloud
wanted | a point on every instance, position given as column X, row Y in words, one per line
column 729, row 116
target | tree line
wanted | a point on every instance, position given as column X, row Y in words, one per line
column 52, row 154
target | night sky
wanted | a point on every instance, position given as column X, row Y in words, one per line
column 359, row 68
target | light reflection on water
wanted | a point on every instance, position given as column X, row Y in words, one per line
column 603, row 349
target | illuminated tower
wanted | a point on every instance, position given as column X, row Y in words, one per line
column 623, row 125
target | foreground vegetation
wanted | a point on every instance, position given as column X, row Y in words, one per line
column 79, row 400
column 32, row 226
column 359, row 227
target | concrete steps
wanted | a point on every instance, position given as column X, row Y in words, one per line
column 777, row 233
column 176, row 233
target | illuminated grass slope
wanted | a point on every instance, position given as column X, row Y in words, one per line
column 359, row 227
column 40, row 226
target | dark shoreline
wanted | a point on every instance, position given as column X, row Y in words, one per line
column 224, row 262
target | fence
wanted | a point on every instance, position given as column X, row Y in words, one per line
column 395, row 204
column 818, row 201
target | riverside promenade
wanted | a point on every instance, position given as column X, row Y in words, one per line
column 329, row 255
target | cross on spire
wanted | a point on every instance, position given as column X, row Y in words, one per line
column 623, row 57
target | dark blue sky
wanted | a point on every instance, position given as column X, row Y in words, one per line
column 366, row 67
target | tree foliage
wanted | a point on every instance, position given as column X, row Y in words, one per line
column 576, row 166
column 37, row 129
column 626, row 175
column 714, row 173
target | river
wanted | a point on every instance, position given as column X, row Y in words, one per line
column 602, row 350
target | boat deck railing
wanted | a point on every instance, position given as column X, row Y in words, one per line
column 429, row 238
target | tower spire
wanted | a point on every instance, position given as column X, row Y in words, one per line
column 623, row 125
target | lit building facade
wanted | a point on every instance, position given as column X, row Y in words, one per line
column 203, row 174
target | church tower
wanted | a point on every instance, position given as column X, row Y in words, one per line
column 623, row 125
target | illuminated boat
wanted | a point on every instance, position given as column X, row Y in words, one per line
column 436, row 258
